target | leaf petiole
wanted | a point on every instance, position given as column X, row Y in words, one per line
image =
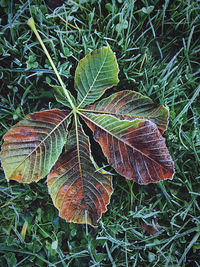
column 31, row 24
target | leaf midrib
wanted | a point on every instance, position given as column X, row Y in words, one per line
column 115, row 114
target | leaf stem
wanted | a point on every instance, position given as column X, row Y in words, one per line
column 31, row 23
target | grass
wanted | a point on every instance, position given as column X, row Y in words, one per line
column 157, row 46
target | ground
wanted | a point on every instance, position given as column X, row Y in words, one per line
column 157, row 46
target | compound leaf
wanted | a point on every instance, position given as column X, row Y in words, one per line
column 128, row 105
column 135, row 149
column 95, row 73
column 78, row 190
column 33, row 145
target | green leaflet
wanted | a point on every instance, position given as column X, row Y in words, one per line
column 135, row 149
column 130, row 105
column 60, row 96
column 33, row 145
column 78, row 190
column 95, row 73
